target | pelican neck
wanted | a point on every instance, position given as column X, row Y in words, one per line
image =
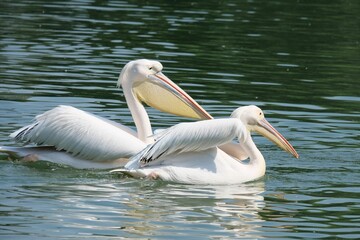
column 138, row 113
column 255, row 156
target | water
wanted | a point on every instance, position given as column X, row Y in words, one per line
column 299, row 61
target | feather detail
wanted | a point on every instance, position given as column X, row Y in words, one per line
column 82, row 134
column 188, row 137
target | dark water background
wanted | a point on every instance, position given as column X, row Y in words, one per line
column 298, row 60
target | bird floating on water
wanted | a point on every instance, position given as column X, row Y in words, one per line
column 70, row 136
column 189, row 152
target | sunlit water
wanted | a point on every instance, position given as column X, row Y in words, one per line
column 299, row 61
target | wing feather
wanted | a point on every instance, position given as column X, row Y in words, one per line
column 188, row 137
column 80, row 133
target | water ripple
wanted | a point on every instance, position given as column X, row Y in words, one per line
column 297, row 63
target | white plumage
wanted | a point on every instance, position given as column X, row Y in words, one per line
column 189, row 137
column 189, row 153
column 83, row 140
column 82, row 134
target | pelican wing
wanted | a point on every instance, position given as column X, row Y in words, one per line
column 188, row 137
column 82, row 134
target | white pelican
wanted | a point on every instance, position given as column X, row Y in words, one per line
column 188, row 152
column 83, row 140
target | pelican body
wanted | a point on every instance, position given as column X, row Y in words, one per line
column 189, row 152
column 68, row 135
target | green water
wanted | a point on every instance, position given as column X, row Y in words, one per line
column 298, row 60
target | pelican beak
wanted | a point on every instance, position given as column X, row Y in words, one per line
column 264, row 128
column 163, row 94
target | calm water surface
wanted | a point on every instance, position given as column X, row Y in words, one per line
column 298, row 60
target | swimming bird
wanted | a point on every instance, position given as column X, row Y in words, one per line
column 68, row 135
column 189, row 152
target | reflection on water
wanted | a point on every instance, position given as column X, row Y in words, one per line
column 86, row 204
column 132, row 208
column 187, row 210
column 297, row 60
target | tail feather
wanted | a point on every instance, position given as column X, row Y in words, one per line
column 136, row 160
column 11, row 151
column 22, row 133
column 50, row 154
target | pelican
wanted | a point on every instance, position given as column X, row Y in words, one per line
column 67, row 135
column 189, row 153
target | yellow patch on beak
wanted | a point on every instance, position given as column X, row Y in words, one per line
column 166, row 96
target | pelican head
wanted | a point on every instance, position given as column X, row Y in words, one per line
column 149, row 85
column 254, row 119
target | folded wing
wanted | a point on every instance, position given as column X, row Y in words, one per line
column 82, row 134
column 188, row 137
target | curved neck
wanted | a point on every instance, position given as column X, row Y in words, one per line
column 257, row 161
column 138, row 113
